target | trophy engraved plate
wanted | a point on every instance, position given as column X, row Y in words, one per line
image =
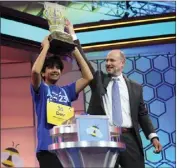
column 60, row 41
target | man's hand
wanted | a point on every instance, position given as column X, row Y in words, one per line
column 45, row 43
column 69, row 27
column 157, row 145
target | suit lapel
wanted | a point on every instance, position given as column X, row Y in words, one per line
column 103, row 81
column 106, row 80
column 130, row 92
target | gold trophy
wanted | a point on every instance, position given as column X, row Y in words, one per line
column 60, row 41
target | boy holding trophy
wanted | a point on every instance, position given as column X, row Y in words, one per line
column 49, row 98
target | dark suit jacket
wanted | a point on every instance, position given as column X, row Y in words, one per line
column 139, row 113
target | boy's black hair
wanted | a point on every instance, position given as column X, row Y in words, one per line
column 53, row 61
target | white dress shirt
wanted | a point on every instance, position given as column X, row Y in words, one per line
column 125, row 104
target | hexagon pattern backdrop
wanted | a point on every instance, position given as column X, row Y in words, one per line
column 156, row 73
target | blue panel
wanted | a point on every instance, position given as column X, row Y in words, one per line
column 17, row 29
column 170, row 76
column 26, row 31
column 148, row 93
column 165, row 165
column 153, row 78
column 174, row 137
column 128, row 66
column 136, row 76
column 170, row 153
column 143, row 64
column 127, row 32
column 136, row 51
column 161, row 63
column 173, row 61
column 164, row 92
column 147, row 165
column 167, row 120
column 157, row 107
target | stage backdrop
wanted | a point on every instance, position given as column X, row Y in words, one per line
column 152, row 66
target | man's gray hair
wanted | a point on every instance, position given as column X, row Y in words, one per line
column 122, row 55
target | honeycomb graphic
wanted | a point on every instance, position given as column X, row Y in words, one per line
column 156, row 73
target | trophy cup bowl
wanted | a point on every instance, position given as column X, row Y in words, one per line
column 60, row 41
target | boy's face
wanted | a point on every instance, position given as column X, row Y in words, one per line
column 51, row 74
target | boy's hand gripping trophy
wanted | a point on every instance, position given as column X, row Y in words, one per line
column 60, row 41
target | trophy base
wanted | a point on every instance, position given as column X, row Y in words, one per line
column 61, row 43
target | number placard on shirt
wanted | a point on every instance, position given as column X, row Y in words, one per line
column 58, row 114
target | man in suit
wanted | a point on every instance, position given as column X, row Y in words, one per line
column 125, row 109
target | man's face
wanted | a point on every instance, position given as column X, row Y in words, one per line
column 114, row 63
column 52, row 74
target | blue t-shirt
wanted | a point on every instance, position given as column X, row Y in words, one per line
column 63, row 95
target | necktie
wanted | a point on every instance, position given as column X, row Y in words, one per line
column 116, row 104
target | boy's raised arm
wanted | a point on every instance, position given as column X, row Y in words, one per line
column 37, row 66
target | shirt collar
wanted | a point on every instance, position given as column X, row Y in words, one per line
column 120, row 77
